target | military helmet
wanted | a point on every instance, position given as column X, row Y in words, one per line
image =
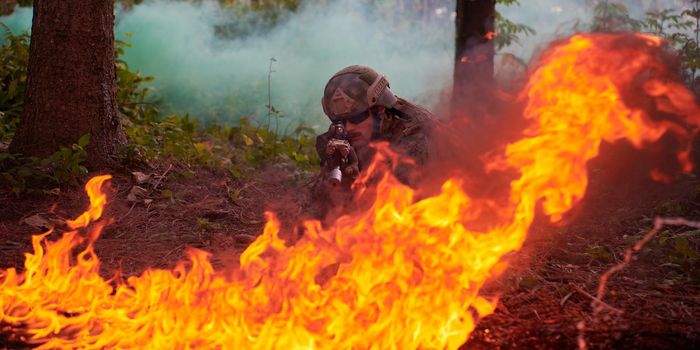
column 354, row 90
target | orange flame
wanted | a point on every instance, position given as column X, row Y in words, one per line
column 404, row 274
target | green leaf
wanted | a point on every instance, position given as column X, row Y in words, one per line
column 600, row 253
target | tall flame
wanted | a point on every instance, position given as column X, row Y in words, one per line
column 404, row 274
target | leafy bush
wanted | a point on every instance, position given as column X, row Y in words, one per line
column 151, row 136
column 509, row 32
column 613, row 17
column 679, row 28
column 677, row 252
column 179, row 137
column 22, row 173
column 32, row 174
column 134, row 98
column 14, row 57
column 235, row 148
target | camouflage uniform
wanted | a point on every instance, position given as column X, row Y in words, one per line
column 406, row 126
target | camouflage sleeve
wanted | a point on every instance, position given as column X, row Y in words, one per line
column 416, row 146
column 417, row 116
column 415, row 131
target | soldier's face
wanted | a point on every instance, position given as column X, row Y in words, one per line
column 361, row 133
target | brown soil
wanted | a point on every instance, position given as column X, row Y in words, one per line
column 197, row 208
column 550, row 285
column 543, row 296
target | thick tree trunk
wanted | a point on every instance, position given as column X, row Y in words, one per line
column 7, row 7
column 474, row 51
column 71, row 81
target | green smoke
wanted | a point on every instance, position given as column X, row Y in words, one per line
column 225, row 78
column 19, row 21
column 214, row 77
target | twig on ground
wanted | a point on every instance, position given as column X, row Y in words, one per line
column 172, row 251
column 127, row 213
column 565, row 298
column 536, row 314
column 598, row 304
column 160, row 179
column 596, row 301
column 659, row 223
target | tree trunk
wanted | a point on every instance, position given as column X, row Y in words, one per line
column 474, row 51
column 7, row 7
column 71, row 88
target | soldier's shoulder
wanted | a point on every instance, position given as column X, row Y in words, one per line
column 413, row 112
column 416, row 119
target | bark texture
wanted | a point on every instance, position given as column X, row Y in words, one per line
column 7, row 7
column 474, row 52
column 71, row 81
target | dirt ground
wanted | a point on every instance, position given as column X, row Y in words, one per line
column 547, row 291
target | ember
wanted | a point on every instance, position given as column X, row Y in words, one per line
column 409, row 272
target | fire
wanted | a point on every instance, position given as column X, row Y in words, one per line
column 404, row 274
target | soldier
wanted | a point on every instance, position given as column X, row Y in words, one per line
column 358, row 100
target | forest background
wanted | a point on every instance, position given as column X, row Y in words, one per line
column 218, row 97
column 196, row 78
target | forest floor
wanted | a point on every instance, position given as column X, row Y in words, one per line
column 546, row 292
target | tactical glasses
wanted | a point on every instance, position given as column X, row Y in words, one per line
column 358, row 118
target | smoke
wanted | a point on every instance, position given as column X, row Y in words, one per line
column 554, row 19
column 214, row 77
column 19, row 21
column 223, row 78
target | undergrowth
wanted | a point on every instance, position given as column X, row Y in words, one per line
column 151, row 136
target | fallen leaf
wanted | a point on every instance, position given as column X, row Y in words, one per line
column 135, row 193
column 140, row 178
column 37, row 220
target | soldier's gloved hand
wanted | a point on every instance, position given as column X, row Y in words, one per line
column 351, row 171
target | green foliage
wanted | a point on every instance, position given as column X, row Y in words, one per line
column 663, row 22
column 151, row 136
column 676, row 28
column 14, row 57
column 235, row 148
column 677, row 252
column 23, row 174
column 134, row 97
column 613, row 17
column 32, row 174
column 687, row 46
column 681, row 30
column 508, row 31
column 600, row 254
column 203, row 224
column 271, row 9
column 267, row 14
